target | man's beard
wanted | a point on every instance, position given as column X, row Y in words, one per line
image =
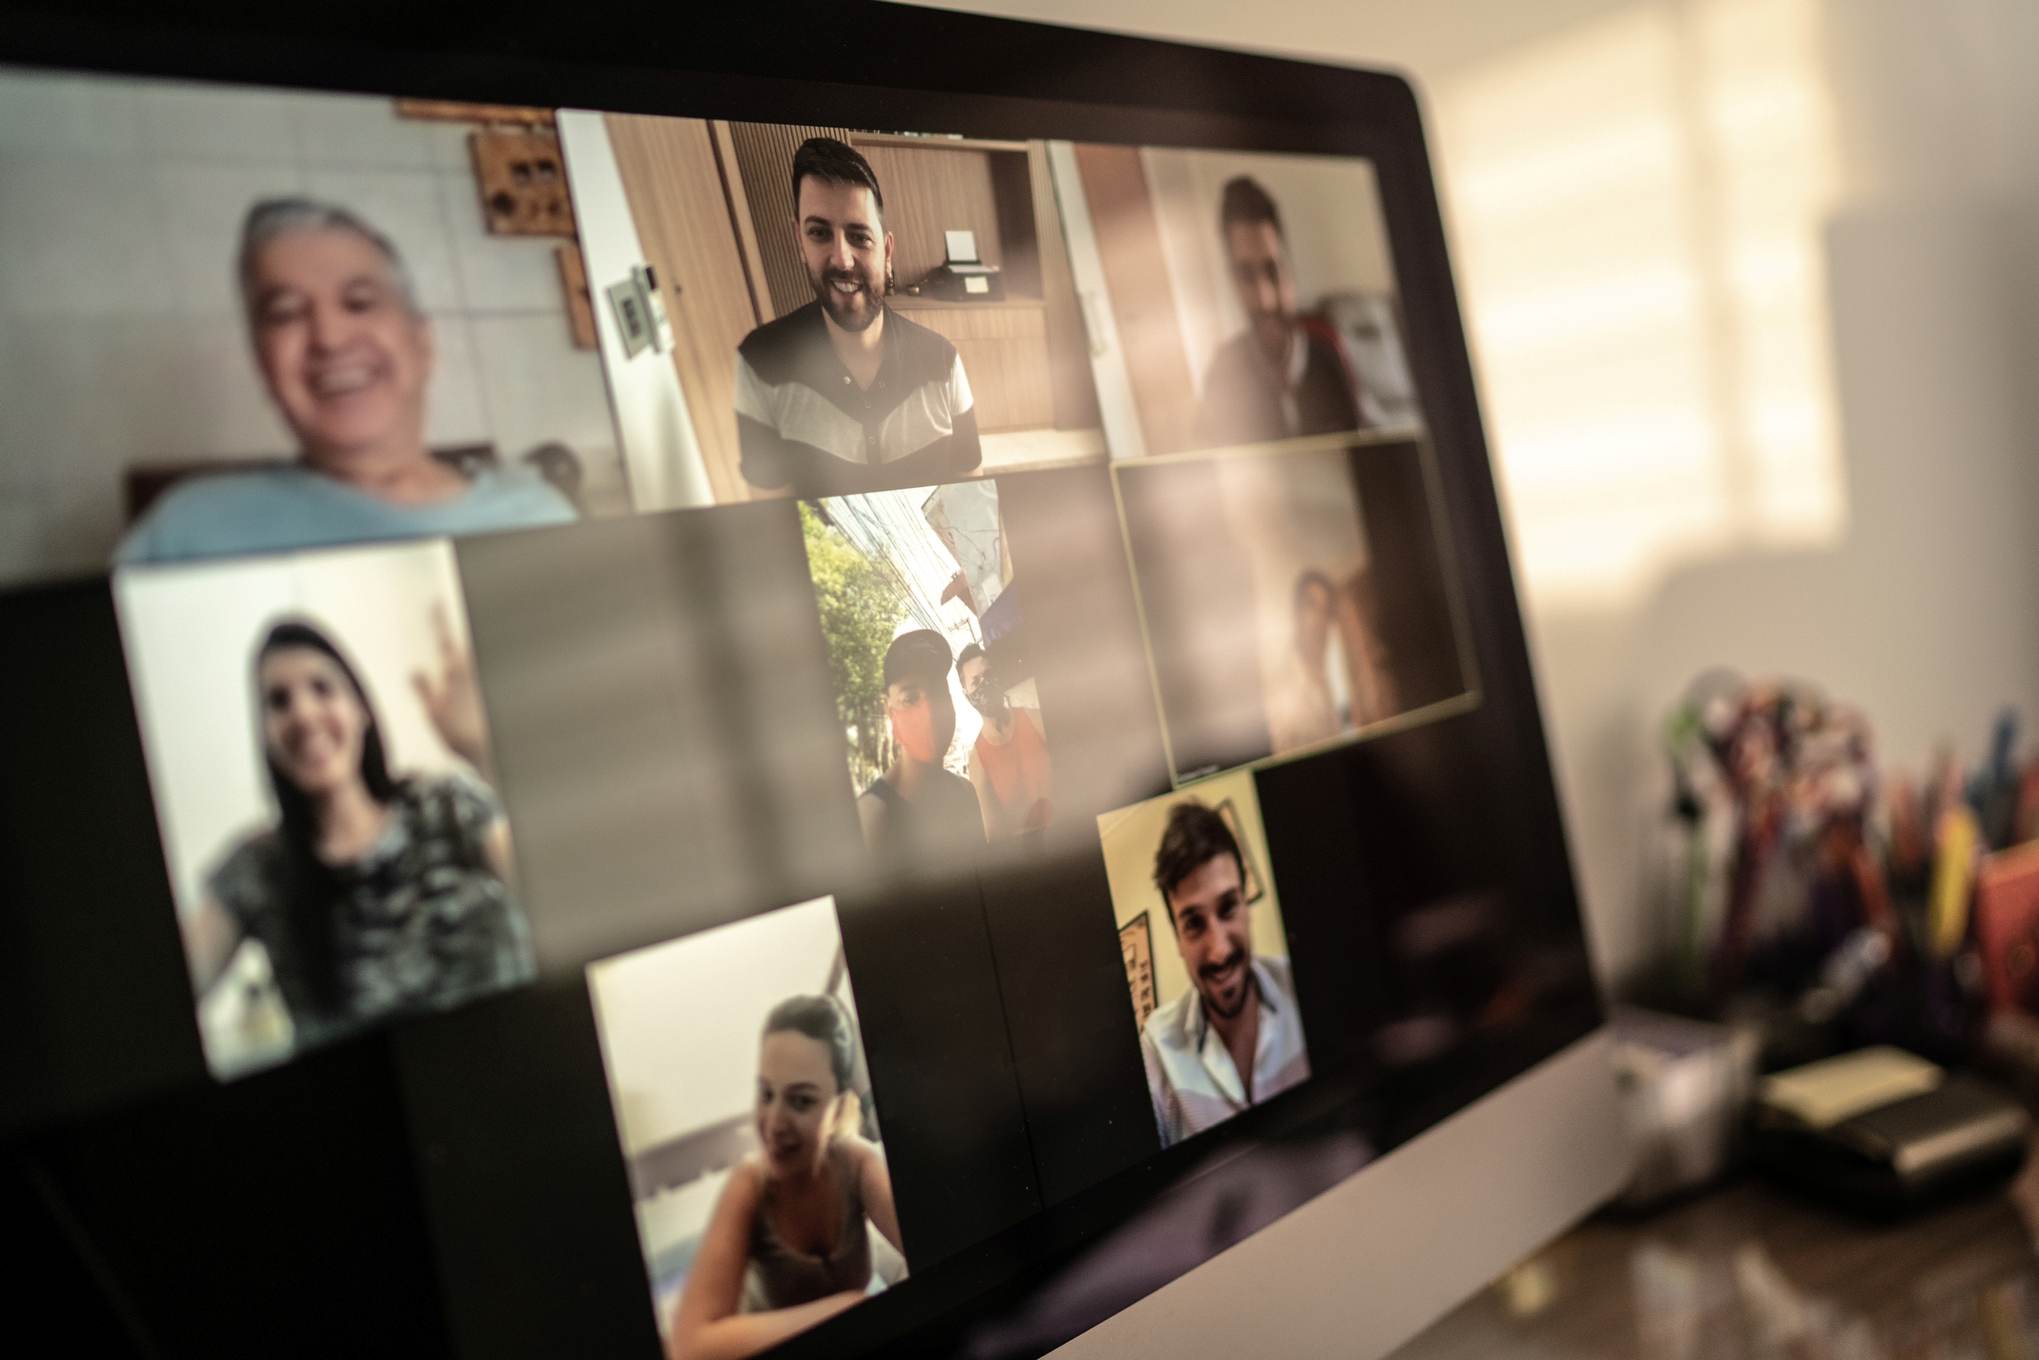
column 1245, row 987
column 851, row 311
column 989, row 703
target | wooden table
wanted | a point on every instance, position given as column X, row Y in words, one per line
column 1746, row 1270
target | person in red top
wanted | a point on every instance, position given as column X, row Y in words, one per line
column 1009, row 763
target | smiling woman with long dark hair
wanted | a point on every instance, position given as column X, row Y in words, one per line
column 373, row 894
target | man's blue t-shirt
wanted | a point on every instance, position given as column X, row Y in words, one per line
column 276, row 510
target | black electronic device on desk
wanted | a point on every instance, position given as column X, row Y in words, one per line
column 963, row 277
column 1882, row 1131
column 501, row 1090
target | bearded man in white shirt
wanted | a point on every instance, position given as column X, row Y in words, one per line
column 1236, row 1037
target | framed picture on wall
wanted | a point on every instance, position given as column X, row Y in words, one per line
column 1136, row 945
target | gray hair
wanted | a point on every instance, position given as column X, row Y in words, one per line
column 271, row 218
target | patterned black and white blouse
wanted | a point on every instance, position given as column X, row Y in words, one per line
column 421, row 922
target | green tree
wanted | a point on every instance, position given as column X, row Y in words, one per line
column 860, row 607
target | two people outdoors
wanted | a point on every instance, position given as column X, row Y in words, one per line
column 917, row 806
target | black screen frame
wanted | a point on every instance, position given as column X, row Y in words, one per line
column 873, row 64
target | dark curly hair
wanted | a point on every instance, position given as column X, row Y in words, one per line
column 1195, row 835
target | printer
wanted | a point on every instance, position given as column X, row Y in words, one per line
column 964, row 277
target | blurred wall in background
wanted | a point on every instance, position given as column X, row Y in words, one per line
column 121, row 203
column 1751, row 288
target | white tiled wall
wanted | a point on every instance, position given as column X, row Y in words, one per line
column 120, row 335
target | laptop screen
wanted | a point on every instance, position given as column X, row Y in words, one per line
column 886, row 731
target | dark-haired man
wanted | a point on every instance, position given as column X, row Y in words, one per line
column 1279, row 377
column 844, row 394
column 1235, row 1038
column 917, row 806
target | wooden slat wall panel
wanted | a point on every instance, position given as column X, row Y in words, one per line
column 1004, row 349
column 764, row 161
column 1075, row 395
column 1129, row 241
column 1018, row 227
column 673, row 182
column 741, row 218
column 988, row 321
column 930, row 190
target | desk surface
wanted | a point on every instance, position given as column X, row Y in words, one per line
column 1748, row 1271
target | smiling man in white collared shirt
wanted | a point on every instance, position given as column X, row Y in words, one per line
column 1236, row 1037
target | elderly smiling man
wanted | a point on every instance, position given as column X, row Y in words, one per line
column 346, row 354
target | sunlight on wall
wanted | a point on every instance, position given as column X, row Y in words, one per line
column 1637, row 208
